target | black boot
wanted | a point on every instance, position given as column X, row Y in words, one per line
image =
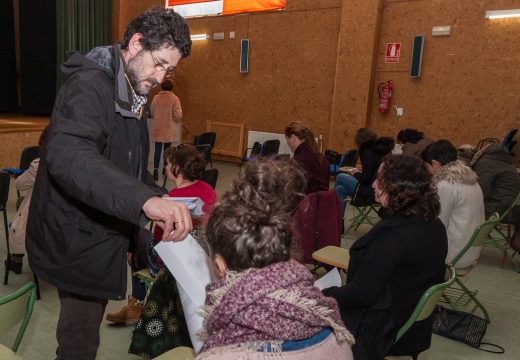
column 155, row 174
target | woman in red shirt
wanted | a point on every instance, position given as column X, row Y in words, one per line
column 184, row 167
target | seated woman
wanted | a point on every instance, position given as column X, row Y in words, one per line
column 265, row 305
column 24, row 182
column 371, row 151
column 394, row 263
column 302, row 142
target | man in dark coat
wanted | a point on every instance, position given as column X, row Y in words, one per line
column 93, row 187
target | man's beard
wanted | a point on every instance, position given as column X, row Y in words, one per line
column 133, row 69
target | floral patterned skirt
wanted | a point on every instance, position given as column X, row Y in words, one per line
column 162, row 325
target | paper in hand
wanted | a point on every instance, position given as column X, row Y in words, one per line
column 331, row 278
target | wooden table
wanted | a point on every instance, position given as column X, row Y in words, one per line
column 333, row 256
column 346, row 169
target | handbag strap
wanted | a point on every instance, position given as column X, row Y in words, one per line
column 497, row 348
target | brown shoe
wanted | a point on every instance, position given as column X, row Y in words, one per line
column 130, row 314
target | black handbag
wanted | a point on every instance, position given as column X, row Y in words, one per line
column 463, row 327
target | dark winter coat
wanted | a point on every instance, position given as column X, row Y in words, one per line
column 498, row 179
column 389, row 270
column 92, row 181
column 370, row 155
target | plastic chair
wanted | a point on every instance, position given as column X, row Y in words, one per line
column 5, row 180
column 146, row 278
column 347, row 159
column 207, row 138
column 425, row 307
column 28, row 155
column 508, row 139
column 205, row 151
column 461, row 295
column 178, row 353
column 500, row 240
column 268, row 149
column 14, row 308
column 210, row 177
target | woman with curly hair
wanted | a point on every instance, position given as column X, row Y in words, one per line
column 264, row 305
column 394, row 263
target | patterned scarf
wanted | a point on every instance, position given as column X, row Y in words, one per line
column 261, row 308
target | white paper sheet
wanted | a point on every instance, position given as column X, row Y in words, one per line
column 331, row 278
column 192, row 269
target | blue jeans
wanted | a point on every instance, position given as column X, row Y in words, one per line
column 345, row 186
column 157, row 154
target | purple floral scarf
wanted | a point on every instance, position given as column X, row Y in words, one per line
column 264, row 307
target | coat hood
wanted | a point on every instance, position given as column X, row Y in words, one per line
column 497, row 152
column 456, row 172
column 100, row 58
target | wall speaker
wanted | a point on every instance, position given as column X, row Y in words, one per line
column 244, row 56
column 417, row 53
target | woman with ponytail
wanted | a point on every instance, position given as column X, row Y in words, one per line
column 303, row 144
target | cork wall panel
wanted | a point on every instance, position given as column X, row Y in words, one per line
column 13, row 144
column 357, row 42
column 470, row 80
column 291, row 70
column 124, row 11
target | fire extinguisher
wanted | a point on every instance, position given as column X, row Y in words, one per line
column 385, row 93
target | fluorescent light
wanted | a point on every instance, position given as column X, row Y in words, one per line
column 441, row 30
column 199, row 37
column 502, row 14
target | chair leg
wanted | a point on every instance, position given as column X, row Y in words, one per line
column 474, row 298
column 8, row 259
column 38, row 297
column 7, row 269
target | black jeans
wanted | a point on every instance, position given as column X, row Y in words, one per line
column 78, row 326
column 157, row 153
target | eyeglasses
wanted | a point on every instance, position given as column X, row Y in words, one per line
column 160, row 67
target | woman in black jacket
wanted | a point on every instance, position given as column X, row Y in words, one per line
column 359, row 181
column 394, row 263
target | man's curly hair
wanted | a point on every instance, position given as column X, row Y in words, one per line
column 160, row 27
column 409, row 186
column 251, row 227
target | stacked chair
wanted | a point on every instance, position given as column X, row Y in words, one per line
column 268, row 149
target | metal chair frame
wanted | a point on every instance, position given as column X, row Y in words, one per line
column 461, row 295
column 361, row 215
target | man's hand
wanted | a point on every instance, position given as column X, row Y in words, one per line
column 173, row 217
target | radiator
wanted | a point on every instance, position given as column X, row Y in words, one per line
column 260, row 136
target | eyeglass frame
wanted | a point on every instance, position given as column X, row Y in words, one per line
column 160, row 67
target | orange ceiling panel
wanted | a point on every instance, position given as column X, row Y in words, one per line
column 242, row 6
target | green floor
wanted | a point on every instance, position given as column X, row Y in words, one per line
column 499, row 291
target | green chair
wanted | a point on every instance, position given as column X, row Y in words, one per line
column 498, row 239
column 146, row 278
column 14, row 308
column 461, row 295
column 425, row 307
column 362, row 215
column 178, row 353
